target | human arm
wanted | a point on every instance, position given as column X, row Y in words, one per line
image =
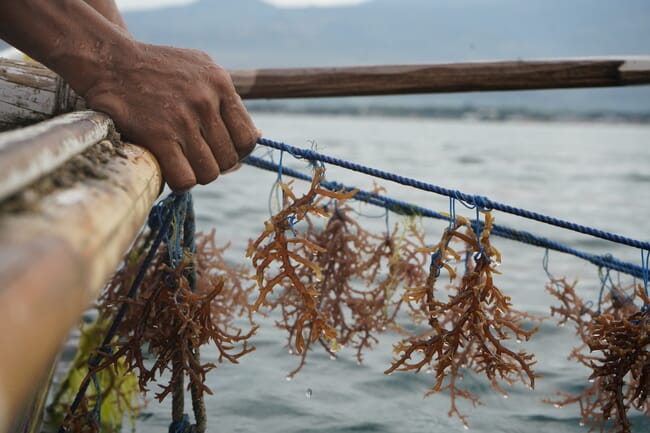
column 175, row 102
column 109, row 10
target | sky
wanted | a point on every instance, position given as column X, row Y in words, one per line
column 151, row 4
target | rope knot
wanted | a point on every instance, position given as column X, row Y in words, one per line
column 182, row 426
column 482, row 203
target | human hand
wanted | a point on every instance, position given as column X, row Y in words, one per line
column 178, row 104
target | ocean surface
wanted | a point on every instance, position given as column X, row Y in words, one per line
column 593, row 174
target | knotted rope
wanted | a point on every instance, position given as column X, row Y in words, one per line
column 404, row 208
column 479, row 201
column 172, row 222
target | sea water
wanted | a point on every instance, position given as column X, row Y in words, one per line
column 593, row 174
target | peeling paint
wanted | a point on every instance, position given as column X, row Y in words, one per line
column 636, row 64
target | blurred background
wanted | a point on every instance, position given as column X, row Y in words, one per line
column 291, row 33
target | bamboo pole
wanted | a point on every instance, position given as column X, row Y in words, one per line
column 27, row 154
column 29, row 92
column 56, row 258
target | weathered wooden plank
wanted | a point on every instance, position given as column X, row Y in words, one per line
column 441, row 78
column 28, row 74
column 29, row 153
column 25, row 97
column 30, row 93
column 55, row 259
column 12, row 116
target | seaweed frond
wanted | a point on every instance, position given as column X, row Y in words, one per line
column 466, row 331
column 285, row 258
column 616, row 348
column 171, row 321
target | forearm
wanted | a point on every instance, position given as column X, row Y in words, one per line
column 69, row 37
column 109, row 10
column 177, row 103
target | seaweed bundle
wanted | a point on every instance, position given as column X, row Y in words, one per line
column 615, row 341
column 468, row 329
column 333, row 284
column 188, row 296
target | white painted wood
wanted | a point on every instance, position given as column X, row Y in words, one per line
column 636, row 64
column 28, row 98
column 27, row 154
column 28, row 93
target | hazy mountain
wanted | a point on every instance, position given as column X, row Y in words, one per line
column 252, row 34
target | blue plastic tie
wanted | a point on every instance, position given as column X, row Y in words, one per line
column 97, row 410
column 452, row 212
column 604, row 279
column 387, row 222
column 434, row 262
column 478, row 227
column 645, row 257
column 280, row 166
column 182, row 426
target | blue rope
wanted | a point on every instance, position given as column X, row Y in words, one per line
column 472, row 200
column 645, row 257
column 452, row 212
column 160, row 219
column 605, row 278
column 182, row 426
column 405, row 208
column 97, row 411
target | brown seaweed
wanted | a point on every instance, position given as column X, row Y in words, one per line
column 329, row 279
column 336, row 284
column 172, row 321
column 282, row 254
column 616, row 348
column 468, row 330
column 349, row 260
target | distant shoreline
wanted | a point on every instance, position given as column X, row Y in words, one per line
column 497, row 114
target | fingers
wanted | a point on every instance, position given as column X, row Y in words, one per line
column 229, row 132
column 202, row 160
column 240, row 126
column 218, row 138
column 183, row 166
column 176, row 169
column 183, row 108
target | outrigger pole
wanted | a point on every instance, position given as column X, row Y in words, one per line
column 29, row 92
column 442, row 78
